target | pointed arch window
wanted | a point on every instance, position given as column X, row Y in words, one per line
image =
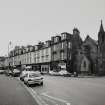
column 84, row 64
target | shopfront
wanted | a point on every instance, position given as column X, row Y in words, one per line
column 45, row 68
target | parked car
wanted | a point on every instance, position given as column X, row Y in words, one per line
column 22, row 75
column 32, row 78
column 75, row 74
column 56, row 73
column 8, row 72
column 64, row 73
column 2, row 71
column 16, row 73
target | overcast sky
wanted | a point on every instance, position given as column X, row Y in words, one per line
column 26, row 22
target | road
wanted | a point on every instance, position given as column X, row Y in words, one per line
column 55, row 91
column 12, row 92
column 72, row 91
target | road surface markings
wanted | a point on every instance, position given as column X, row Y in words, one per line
column 54, row 98
column 33, row 94
column 36, row 96
column 38, row 99
column 50, row 101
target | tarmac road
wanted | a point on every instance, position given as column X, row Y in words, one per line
column 59, row 90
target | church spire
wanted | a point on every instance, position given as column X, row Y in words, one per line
column 101, row 27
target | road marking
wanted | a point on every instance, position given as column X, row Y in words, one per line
column 68, row 104
column 54, row 98
column 33, row 94
column 36, row 96
column 38, row 99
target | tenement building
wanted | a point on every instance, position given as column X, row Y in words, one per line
column 59, row 53
column 42, row 57
column 62, row 52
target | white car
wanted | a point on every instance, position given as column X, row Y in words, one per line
column 32, row 78
column 16, row 73
column 55, row 73
column 64, row 73
column 2, row 71
column 22, row 75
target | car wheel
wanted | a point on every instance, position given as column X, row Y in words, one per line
column 20, row 79
column 27, row 84
column 24, row 82
column 41, row 83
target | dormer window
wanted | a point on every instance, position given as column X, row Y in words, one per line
column 20, row 51
column 63, row 36
column 48, row 43
column 26, row 49
column 31, row 48
column 56, row 39
column 36, row 47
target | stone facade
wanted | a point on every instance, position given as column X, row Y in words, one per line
column 76, row 49
column 89, row 53
column 61, row 52
column 85, row 65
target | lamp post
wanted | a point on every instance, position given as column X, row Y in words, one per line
column 8, row 55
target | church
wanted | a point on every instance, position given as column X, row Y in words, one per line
column 90, row 56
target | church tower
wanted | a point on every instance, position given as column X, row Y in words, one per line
column 101, row 50
column 101, row 35
column 76, row 47
column 77, row 41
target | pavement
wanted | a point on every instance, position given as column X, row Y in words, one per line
column 12, row 92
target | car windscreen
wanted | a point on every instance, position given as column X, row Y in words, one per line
column 34, row 75
column 16, row 70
